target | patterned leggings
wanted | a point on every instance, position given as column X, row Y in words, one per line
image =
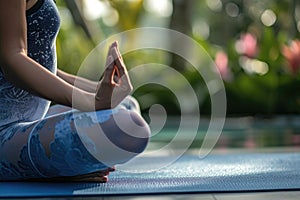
column 72, row 143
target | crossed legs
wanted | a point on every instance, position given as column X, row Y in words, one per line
column 72, row 145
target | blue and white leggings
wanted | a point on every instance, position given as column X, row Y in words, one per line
column 72, row 143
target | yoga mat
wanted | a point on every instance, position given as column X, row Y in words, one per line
column 189, row 174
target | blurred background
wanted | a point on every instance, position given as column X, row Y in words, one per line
column 254, row 44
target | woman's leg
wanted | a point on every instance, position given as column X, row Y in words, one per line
column 71, row 144
column 57, row 109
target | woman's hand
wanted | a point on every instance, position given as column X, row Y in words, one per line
column 115, row 84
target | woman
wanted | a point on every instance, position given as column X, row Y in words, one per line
column 60, row 145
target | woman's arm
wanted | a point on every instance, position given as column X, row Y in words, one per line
column 80, row 82
column 24, row 72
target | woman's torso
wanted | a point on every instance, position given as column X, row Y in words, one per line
column 17, row 105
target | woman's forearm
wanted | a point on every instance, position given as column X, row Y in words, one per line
column 79, row 82
column 27, row 74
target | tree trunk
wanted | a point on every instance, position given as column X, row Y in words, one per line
column 180, row 21
column 79, row 20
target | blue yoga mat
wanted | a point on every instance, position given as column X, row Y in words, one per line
column 189, row 174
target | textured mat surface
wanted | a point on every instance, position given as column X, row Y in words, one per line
column 215, row 173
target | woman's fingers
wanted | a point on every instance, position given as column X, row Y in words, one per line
column 108, row 62
column 109, row 70
column 119, row 63
column 114, row 44
column 125, row 83
column 106, row 81
column 115, row 84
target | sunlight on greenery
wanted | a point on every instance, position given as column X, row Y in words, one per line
column 254, row 43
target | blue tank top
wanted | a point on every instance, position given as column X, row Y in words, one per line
column 17, row 105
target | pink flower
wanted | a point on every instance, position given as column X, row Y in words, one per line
column 221, row 61
column 292, row 55
column 247, row 45
column 250, row 143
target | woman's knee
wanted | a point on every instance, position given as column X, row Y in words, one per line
column 128, row 131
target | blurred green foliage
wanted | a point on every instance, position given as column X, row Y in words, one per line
column 72, row 44
column 217, row 25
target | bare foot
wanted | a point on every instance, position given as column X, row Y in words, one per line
column 99, row 177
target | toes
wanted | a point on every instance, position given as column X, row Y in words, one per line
column 112, row 169
column 97, row 179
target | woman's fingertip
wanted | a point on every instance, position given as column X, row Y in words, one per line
column 114, row 44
